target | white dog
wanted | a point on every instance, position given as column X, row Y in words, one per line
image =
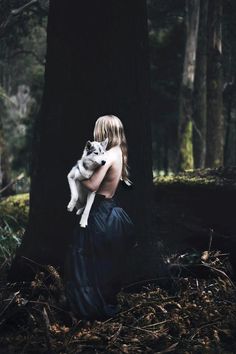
column 94, row 155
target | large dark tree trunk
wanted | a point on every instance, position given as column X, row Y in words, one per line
column 96, row 64
column 186, row 90
column 215, row 119
column 200, row 91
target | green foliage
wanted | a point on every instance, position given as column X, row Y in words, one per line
column 10, row 239
column 28, row 57
column 14, row 210
column 13, row 219
column 22, row 60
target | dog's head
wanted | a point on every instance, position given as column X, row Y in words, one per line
column 94, row 153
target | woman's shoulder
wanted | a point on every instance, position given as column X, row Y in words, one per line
column 115, row 149
column 115, row 152
column 114, row 155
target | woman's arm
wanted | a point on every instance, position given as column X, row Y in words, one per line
column 96, row 179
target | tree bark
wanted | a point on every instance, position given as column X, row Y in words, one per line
column 4, row 156
column 97, row 63
column 186, row 90
column 200, row 91
column 230, row 126
column 215, row 119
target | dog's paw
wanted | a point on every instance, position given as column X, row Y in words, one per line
column 83, row 222
column 71, row 206
column 79, row 211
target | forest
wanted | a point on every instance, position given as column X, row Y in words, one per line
column 167, row 70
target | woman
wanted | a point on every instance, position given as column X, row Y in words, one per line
column 95, row 258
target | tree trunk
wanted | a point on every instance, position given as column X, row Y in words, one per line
column 200, row 91
column 4, row 156
column 186, row 90
column 96, row 64
column 230, row 125
column 215, row 119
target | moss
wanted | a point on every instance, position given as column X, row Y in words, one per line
column 15, row 209
column 184, row 180
column 186, row 148
column 214, row 84
column 210, row 178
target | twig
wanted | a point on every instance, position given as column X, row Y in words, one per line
column 144, row 282
column 47, row 326
column 114, row 337
column 16, row 12
column 121, row 313
column 13, row 14
column 46, row 304
column 197, row 130
column 210, row 241
column 169, row 349
column 32, row 261
column 157, row 323
column 204, row 326
column 143, row 330
column 9, row 303
column 221, row 272
column 7, row 98
column 18, row 178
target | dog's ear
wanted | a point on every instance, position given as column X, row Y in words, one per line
column 104, row 143
column 88, row 145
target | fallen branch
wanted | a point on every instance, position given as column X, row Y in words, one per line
column 18, row 178
column 13, row 14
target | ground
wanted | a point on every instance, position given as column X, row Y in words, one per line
column 194, row 312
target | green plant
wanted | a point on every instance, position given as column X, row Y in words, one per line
column 9, row 240
column 14, row 210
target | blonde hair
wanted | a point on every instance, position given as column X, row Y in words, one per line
column 111, row 127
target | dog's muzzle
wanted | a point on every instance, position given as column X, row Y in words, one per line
column 103, row 162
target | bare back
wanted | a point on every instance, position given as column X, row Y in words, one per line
column 111, row 180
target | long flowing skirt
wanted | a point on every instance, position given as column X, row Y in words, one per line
column 95, row 260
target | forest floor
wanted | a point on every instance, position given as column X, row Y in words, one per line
column 198, row 316
column 195, row 313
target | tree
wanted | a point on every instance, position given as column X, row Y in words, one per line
column 4, row 156
column 215, row 118
column 22, row 53
column 186, row 90
column 200, row 91
column 96, row 64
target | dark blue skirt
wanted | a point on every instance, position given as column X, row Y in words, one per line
column 95, row 260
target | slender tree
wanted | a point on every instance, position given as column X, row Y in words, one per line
column 200, row 91
column 215, row 118
column 96, row 64
column 4, row 156
column 186, row 90
column 229, row 89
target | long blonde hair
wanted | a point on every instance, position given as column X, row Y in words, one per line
column 111, row 127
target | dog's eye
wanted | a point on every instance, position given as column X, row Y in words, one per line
column 96, row 153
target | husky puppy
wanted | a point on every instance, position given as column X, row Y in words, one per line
column 94, row 155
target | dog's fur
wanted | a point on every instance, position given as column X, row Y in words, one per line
column 94, row 155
